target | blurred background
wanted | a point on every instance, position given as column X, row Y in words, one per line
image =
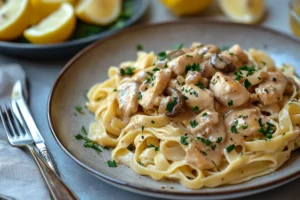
column 63, row 27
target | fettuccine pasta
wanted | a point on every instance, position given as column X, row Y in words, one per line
column 198, row 115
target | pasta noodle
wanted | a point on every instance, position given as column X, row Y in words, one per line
column 198, row 115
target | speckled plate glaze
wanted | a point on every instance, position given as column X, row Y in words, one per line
column 90, row 66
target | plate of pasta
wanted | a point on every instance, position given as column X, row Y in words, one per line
column 183, row 109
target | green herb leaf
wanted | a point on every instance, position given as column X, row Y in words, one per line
column 127, row 71
column 112, row 163
column 152, row 121
column 204, row 114
column 247, row 84
column 230, row 148
column 183, row 140
column 92, row 145
column 193, row 123
column 171, row 104
column 233, row 127
column 143, row 127
column 156, row 69
column 219, row 140
column 83, row 130
column 139, row 47
column 200, row 85
column 152, row 146
column 196, row 109
column 162, row 55
column 207, row 142
column 193, row 67
column 79, row 109
column 230, row 103
column 213, row 147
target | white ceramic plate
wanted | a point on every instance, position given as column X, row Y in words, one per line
column 90, row 66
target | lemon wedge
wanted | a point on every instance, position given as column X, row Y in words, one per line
column 42, row 8
column 186, row 7
column 99, row 12
column 244, row 11
column 14, row 15
column 57, row 27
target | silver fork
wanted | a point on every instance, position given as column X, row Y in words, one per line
column 18, row 137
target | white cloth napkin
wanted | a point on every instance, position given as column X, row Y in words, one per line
column 19, row 175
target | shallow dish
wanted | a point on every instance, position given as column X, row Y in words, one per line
column 69, row 48
column 88, row 68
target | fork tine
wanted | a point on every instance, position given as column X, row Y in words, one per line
column 17, row 123
column 22, row 126
column 9, row 120
column 4, row 123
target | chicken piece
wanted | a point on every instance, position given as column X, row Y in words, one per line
column 244, row 121
column 179, row 64
column 153, row 87
column 239, row 53
column 271, row 90
column 202, row 98
column 227, row 91
column 207, row 124
column 128, row 98
column 193, row 77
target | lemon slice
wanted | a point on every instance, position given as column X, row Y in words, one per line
column 57, row 27
column 14, row 15
column 244, row 11
column 100, row 12
column 186, row 7
column 42, row 8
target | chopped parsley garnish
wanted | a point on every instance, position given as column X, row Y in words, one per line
column 115, row 90
column 152, row 146
column 245, row 126
column 166, row 65
column 231, row 54
column 171, row 104
column 152, row 121
column 268, row 131
column 196, row 109
column 200, row 85
column 266, row 90
column 112, row 163
column 143, row 127
column 83, row 130
column 194, row 123
column 219, row 140
column 189, row 56
column 185, row 97
column 162, row 55
column 207, row 142
column 233, row 127
column 148, row 80
column 127, row 71
column 183, row 140
column 204, row 114
column 240, row 116
column 230, row 103
column 156, row 69
column 264, row 63
column 92, row 145
column 215, row 165
column 178, row 46
column 139, row 47
column 193, row 67
column 140, row 96
column 230, row 148
column 249, row 70
column 142, row 164
column 131, row 147
column 247, row 84
column 88, row 143
column 213, row 147
column 79, row 109
column 204, row 153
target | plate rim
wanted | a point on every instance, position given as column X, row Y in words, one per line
column 144, row 4
column 128, row 186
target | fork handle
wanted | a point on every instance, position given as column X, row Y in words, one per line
column 56, row 186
